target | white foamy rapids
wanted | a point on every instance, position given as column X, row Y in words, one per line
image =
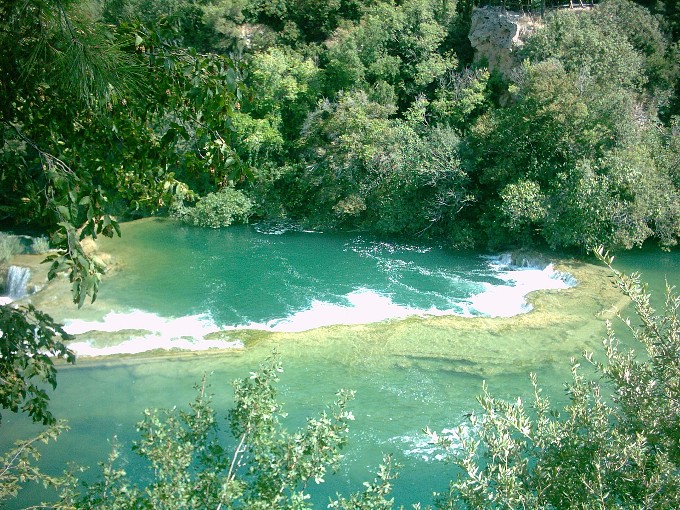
column 363, row 306
column 154, row 332
column 508, row 299
column 149, row 331
column 421, row 445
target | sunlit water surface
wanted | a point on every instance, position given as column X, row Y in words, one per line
column 271, row 288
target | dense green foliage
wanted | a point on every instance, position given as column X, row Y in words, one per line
column 19, row 463
column 350, row 114
column 265, row 466
column 29, row 339
column 9, row 246
column 215, row 210
column 343, row 114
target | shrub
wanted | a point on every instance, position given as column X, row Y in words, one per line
column 265, row 467
column 9, row 246
column 615, row 445
column 40, row 245
column 217, row 210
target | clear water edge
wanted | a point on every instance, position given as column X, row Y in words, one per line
column 408, row 374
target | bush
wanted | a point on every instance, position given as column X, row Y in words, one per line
column 217, row 210
column 9, row 246
column 40, row 245
column 189, row 466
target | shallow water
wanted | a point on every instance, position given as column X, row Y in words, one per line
column 409, row 373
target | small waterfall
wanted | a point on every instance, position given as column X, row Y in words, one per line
column 17, row 282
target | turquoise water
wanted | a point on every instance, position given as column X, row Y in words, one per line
column 179, row 283
column 409, row 373
column 240, row 275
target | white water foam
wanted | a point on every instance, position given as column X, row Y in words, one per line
column 509, row 299
column 156, row 332
column 421, row 444
column 151, row 343
column 361, row 306
column 377, row 248
column 188, row 333
column 278, row 228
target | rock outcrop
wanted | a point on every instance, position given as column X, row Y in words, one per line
column 497, row 35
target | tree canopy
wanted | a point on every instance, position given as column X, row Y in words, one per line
column 359, row 114
column 124, row 109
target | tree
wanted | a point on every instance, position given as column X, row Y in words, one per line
column 287, row 86
column 394, row 176
column 264, row 467
column 57, row 64
column 342, row 139
column 614, row 445
column 78, row 107
column 106, row 120
column 461, row 97
column 28, row 341
column 572, row 159
column 558, row 164
column 17, row 466
column 54, row 63
column 216, row 210
column 618, row 42
column 397, row 47
column 590, row 45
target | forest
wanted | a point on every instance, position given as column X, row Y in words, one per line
column 360, row 115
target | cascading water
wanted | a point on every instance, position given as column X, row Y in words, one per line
column 17, row 282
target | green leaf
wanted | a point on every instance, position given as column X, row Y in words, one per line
column 64, row 212
column 169, row 136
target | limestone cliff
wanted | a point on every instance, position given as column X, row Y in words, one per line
column 497, row 35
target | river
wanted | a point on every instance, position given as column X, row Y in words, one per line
column 414, row 330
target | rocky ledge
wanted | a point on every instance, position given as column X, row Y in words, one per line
column 497, row 36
